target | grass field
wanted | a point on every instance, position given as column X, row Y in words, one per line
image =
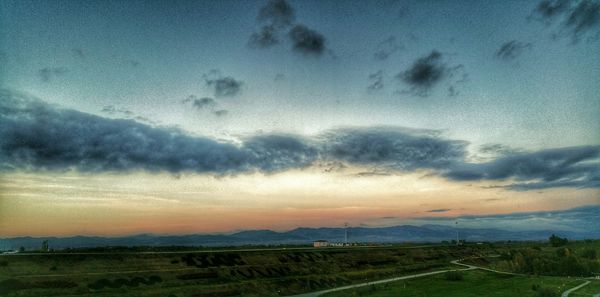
column 475, row 283
column 250, row 273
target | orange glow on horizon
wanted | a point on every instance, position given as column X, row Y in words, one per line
column 111, row 205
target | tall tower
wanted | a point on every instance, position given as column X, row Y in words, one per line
column 456, row 225
column 345, row 233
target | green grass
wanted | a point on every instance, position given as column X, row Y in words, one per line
column 475, row 283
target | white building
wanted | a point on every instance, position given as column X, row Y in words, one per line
column 320, row 243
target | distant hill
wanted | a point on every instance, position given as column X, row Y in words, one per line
column 395, row 234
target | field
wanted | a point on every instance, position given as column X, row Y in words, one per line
column 289, row 271
column 221, row 273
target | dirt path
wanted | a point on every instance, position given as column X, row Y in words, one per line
column 567, row 292
column 319, row 293
column 456, row 262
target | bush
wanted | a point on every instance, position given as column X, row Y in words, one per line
column 453, row 276
column 563, row 252
column 505, row 256
column 589, row 254
column 546, row 292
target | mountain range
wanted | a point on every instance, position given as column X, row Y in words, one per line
column 394, row 234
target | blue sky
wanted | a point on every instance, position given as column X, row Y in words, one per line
column 454, row 92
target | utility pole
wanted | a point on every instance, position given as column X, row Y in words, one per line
column 456, row 226
column 346, row 234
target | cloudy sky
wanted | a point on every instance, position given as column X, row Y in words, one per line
column 120, row 117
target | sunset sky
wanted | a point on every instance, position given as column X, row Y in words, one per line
column 125, row 117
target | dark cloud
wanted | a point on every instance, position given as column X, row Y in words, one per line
column 224, row 86
column 333, row 166
column 389, row 218
column 280, row 152
column 572, row 166
column 200, row 103
column 276, row 17
column 512, row 49
column 552, row 8
column 399, row 149
column 279, row 77
column 112, row 110
column 220, row 112
column 593, row 182
column 49, row 73
column 373, row 173
column 277, row 13
column 126, row 114
column 452, row 91
column 426, row 73
column 307, row 41
column 585, row 16
column 133, row 63
column 386, row 48
column 440, row 210
column 146, row 120
column 204, row 102
column 78, row 53
column 574, row 18
column 265, row 38
column 37, row 136
column 376, row 81
column 497, row 149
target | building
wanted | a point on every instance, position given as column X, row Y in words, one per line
column 320, row 243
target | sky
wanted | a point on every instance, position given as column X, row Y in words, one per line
column 176, row 117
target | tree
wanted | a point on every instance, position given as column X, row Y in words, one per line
column 556, row 241
column 546, row 292
column 589, row 254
